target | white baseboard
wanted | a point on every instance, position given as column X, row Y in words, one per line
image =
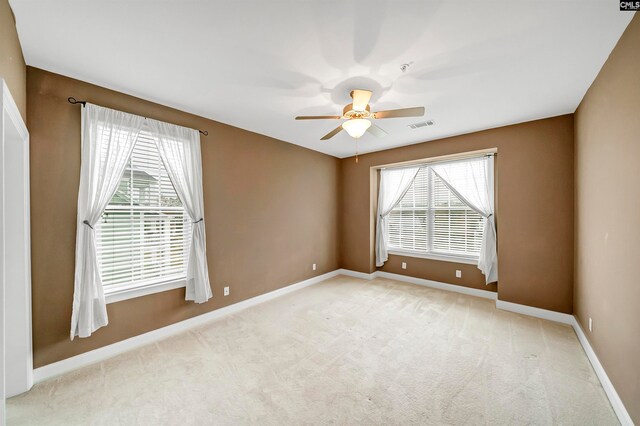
column 97, row 355
column 535, row 312
column 421, row 281
column 101, row 354
column 438, row 285
column 356, row 274
column 614, row 398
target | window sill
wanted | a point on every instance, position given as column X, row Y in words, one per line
column 434, row 256
column 130, row 293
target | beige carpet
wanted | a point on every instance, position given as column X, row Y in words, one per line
column 346, row 351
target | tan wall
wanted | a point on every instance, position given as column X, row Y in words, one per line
column 271, row 210
column 12, row 67
column 534, row 198
column 607, row 287
column 436, row 270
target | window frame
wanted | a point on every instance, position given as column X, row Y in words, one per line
column 118, row 295
column 125, row 291
column 471, row 260
column 430, row 254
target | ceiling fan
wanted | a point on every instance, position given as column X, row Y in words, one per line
column 358, row 115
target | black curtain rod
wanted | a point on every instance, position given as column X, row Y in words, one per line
column 74, row 101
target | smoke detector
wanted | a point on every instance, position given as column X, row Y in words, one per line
column 404, row 67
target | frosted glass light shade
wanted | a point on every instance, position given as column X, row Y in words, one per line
column 356, row 127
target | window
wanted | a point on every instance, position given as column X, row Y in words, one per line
column 431, row 220
column 144, row 235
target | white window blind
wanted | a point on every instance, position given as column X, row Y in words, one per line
column 144, row 234
column 431, row 219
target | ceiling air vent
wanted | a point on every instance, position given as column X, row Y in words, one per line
column 421, row 124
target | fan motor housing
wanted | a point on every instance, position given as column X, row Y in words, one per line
column 349, row 112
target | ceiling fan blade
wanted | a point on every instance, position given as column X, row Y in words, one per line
column 360, row 99
column 318, row 117
column 332, row 133
column 376, row 131
column 404, row 112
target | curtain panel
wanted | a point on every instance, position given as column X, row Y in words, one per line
column 179, row 149
column 394, row 184
column 472, row 182
column 107, row 140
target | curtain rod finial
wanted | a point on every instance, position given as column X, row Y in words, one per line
column 74, row 101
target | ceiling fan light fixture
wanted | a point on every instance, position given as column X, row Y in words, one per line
column 358, row 115
column 356, row 127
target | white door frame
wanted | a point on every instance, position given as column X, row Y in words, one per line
column 16, row 357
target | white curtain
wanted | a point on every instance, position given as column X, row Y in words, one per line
column 472, row 181
column 180, row 151
column 394, row 183
column 107, row 139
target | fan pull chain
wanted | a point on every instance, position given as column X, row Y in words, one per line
column 357, row 150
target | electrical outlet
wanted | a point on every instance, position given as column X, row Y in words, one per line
column 404, row 265
column 590, row 324
column 226, row 291
column 314, row 266
column 458, row 273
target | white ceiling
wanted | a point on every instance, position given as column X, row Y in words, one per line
column 257, row 64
